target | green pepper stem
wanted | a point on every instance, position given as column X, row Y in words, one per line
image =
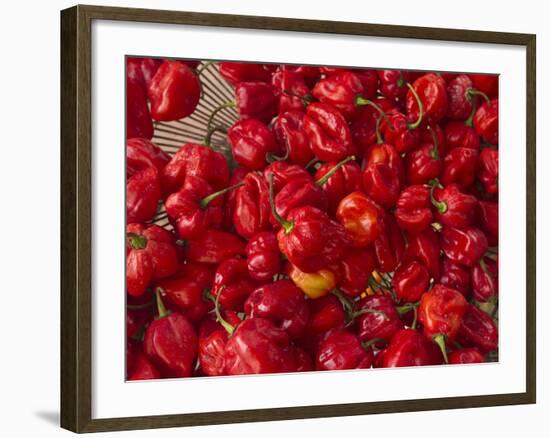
column 379, row 139
column 470, row 120
column 435, row 149
column 415, row 318
column 405, row 308
column 306, row 100
column 439, row 339
column 332, row 171
column 373, row 311
column 160, row 305
column 420, row 109
column 360, row 101
column 210, row 133
column 440, row 205
column 473, row 92
column 345, row 301
column 229, row 104
column 271, row 157
column 206, row 200
column 287, row 225
column 137, row 241
column 219, row 318
column 368, row 344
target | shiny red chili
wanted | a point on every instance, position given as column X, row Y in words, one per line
column 251, row 142
column 263, row 256
column 464, row 246
column 342, row 350
column 478, row 330
column 410, row 281
column 413, row 209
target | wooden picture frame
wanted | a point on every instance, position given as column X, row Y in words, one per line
column 76, row 174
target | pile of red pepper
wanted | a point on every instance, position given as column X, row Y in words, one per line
column 355, row 225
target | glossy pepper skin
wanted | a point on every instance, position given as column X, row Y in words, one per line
column 431, row 89
column 383, row 153
column 282, row 303
column 345, row 180
column 142, row 195
column 363, row 125
column 251, row 141
column 311, row 240
column 459, row 167
column 382, row 183
column 486, row 121
column 283, row 173
column 485, row 280
column 251, row 210
column 170, row 342
column 459, row 100
column 355, row 270
column 288, row 129
column 328, row 132
column 142, row 154
column 138, row 118
column 233, row 283
column 466, row 355
column 478, row 330
column 465, row 247
column 174, row 91
column 423, row 164
column 459, row 134
column 380, row 320
column 213, row 247
column 424, row 247
column 150, row 254
column 488, row 170
column 314, row 284
column 236, row 72
column 488, row 220
column 292, row 89
column 263, row 257
column 393, row 83
column 361, row 217
column 194, row 160
column 410, row 281
column 340, row 90
column 342, row 350
column 390, row 245
column 408, row 348
column 454, row 207
column 455, row 276
column 142, row 368
column 413, row 209
column 441, row 311
column 400, row 132
column 256, row 100
column 258, row 346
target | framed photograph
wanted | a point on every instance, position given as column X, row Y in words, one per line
column 311, row 218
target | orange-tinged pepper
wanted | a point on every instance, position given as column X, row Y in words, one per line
column 313, row 284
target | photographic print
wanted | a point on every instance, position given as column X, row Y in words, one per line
column 298, row 218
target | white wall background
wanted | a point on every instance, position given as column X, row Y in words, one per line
column 29, row 194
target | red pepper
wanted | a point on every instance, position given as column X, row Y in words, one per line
column 363, row 125
column 195, row 207
column 369, row 80
column 355, row 270
column 255, row 100
column 292, row 89
column 390, row 245
column 487, row 84
column 466, row 355
column 459, row 95
column 432, row 92
column 361, row 217
column 478, row 330
column 488, row 170
column 410, row 281
column 251, row 211
column 214, row 246
column 232, row 283
column 288, row 129
column 413, row 209
column 174, row 91
column 263, row 256
column 455, row 276
column 340, row 90
column 284, row 172
column 459, row 167
column 408, row 348
column 314, row 284
column 328, row 132
column 310, row 239
column 142, row 195
column 386, row 154
column 325, row 314
column 381, row 183
column 257, row 346
column 171, row 343
column 393, row 83
column 486, row 121
column 345, row 180
column 186, row 288
column 138, row 118
column 141, row 367
column 454, row 208
column 488, row 220
column 441, row 311
column 377, row 318
column 464, row 247
column 237, row 176
column 424, row 163
column 251, row 141
column 195, row 160
column 458, row 134
column 424, row 247
column 235, row 72
column 141, row 154
column 282, row 303
column 151, row 254
column 485, row 280
column 342, row 350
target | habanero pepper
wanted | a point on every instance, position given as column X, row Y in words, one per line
column 408, row 348
column 393, row 83
column 342, row 350
column 431, row 89
column 232, row 283
column 459, row 97
column 141, row 368
column 377, row 319
column 251, row 142
column 236, row 72
column 459, row 167
column 174, row 91
column 282, row 303
column 170, row 342
column 314, row 284
column 486, row 121
column 488, row 220
column 466, row 355
column 263, row 256
column 478, row 330
column 424, row 247
column 355, row 271
column 390, row 245
column 441, row 311
column 141, row 154
column 485, row 280
column 455, row 276
column 410, row 281
column 143, row 194
column 363, row 125
column 292, row 89
column 413, row 209
column 488, row 170
column 345, row 180
column 283, row 172
column 340, row 90
column 328, row 132
column 361, row 217
column 424, row 164
column 464, row 246
column 151, row 254
column 487, row 84
column 213, row 247
column 251, row 211
column 454, row 208
column 138, row 118
column 288, row 129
